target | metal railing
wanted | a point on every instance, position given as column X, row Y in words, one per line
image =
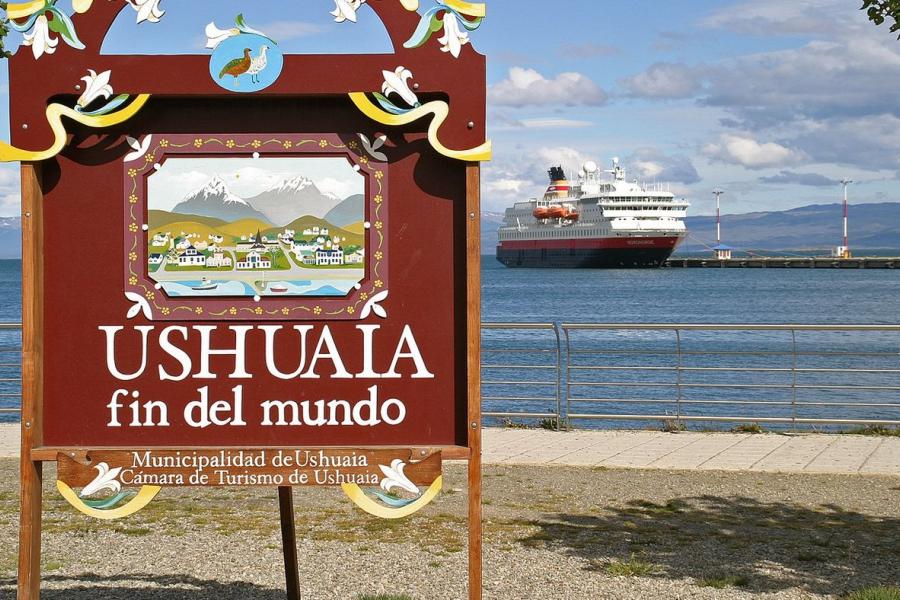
column 814, row 375
column 785, row 375
column 520, row 369
column 10, row 368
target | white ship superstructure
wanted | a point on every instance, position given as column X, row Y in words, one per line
column 603, row 220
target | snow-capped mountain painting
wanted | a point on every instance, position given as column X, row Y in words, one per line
column 256, row 227
column 291, row 198
column 215, row 200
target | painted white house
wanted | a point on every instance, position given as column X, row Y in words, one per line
column 191, row 257
column 253, row 261
column 309, row 259
column 155, row 259
column 356, row 258
column 217, row 239
column 160, row 240
column 328, row 258
column 218, row 260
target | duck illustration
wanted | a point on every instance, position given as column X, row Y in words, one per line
column 237, row 67
column 258, row 64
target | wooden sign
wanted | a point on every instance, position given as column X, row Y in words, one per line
column 247, row 268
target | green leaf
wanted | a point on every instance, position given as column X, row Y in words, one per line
column 63, row 25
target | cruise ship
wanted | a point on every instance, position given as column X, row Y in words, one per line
column 602, row 221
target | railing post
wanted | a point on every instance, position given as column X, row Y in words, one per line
column 679, row 380
column 568, row 378
column 794, row 380
column 558, row 379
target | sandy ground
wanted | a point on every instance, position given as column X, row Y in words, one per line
column 550, row 533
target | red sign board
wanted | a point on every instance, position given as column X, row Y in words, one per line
column 248, row 254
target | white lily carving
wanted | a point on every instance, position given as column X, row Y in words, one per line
column 95, row 86
column 140, row 306
column 215, row 36
column 147, row 10
column 39, row 39
column 105, row 480
column 395, row 478
column 345, row 10
column 373, row 148
column 398, row 83
column 140, row 148
column 374, row 306
column 454, row 37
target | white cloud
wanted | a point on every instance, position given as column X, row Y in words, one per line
column 10, row 197
column 664, row 80
column 742, row 149
column 507, row 123
column 10, row 205
column 527, row 87
column 555, row 123
column 777, row 17
column 520, row 175
column 653, row 164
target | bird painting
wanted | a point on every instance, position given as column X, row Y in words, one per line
column 258, row 64
column 237, row 67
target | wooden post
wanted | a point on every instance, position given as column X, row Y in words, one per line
column 473, row 299
column 32, row 382
column 289, row 542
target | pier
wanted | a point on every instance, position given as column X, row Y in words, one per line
column 761, row 262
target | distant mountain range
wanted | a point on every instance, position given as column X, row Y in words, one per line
column 280, row 205
column 817, row 227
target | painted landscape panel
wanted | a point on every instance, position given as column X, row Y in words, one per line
column 256, row 227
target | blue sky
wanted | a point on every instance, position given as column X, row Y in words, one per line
column 773, row 100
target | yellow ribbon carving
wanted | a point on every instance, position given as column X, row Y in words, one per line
column 20, row 10
column 55, row 113
column 439, row 109
column 144, row 497
column 467, row 8
column 359, row 498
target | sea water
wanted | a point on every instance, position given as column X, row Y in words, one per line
column 754, row 296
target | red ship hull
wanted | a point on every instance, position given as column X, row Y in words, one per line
column 598, row 253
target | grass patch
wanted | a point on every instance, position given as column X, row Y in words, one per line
column 876, row 593
column 876, row 430
column 510, row 424
column 721, row 582
column 754, row 428
column 553, row 424
column 673, row 426
column 633, row 567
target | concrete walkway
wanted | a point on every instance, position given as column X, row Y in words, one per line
column 802, row 453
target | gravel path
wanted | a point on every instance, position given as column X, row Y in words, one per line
column 551, row 533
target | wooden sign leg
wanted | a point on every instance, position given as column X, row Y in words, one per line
column 30, row 531
column 473, row 326
column 32, row 379
column 289, row 542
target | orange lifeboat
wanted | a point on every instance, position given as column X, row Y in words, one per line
column 557, row 212
column 572, row 215
column 541, row 213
